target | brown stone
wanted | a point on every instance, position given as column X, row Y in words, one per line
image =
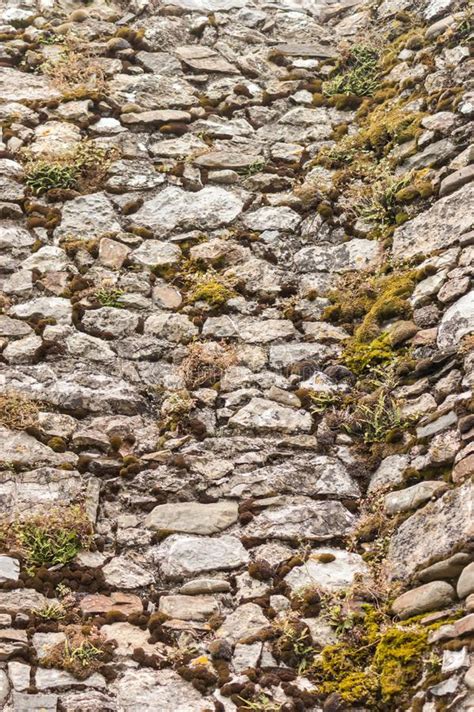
column 463, row 469
column 126, row 603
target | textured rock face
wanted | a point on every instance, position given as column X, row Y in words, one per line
column 236, row 364
column 433, row 533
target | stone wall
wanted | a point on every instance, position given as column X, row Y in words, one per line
column 236, row 360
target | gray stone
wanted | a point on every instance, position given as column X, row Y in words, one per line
column 180, row 556
column 465, row 584
column 33, row 491
column 429, row 597
column 173, row 327
column 205, row 585
column 21, row 86
column 192, row 517
column 356, row 254
column 152, row 91
column 110, row 322
column 46, row 259
column 57, row 679
column 34, row 703
column 13, row 327
column 268, row 218
column 311, row 475
column 412, row 497
column 330, row 575
column 245, row 622
column 156, row 691
column 457, row 322
column 265, row 415
column 23, row 350
column 437, row 228
column 226, row 159
column 9, row 569
column 433, row 533
column 302, row 518
column 437, row 426
column 88, row 216
column 188, row 608
column 209, row 208
column 456, row 180
column 122, row 572
column 22, row 449
column 153, row 253
column 55, row 308
column 449, row 568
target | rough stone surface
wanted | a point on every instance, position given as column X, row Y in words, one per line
column 434, row 532
column 236, row 329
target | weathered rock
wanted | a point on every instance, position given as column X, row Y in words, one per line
column 188, row 608
column 413, row 497
column 357, row 254
column 180, row 556
column 157, row 690
column 429, row 597
column 435, row 532
column 244, row 622
column 125, row 603
column 23, row 449
column 437, row 228
column 265, row 415
column 330, row 575
column 122, row 572
column 307, row 475
column 21, row 86
column 9, row 569
column 193, row 517
column 87, row 217
column 457, row 322
column 210, row 208
column 302, row 518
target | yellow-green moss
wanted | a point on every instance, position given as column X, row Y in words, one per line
column 375, row 665
column 213, row 291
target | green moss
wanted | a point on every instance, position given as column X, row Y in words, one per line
column 375, row 665
column 212, row 291
column 398, row 659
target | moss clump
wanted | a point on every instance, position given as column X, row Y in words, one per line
column 372, row 301
column 17, row 412
column 212, row 290
column 398, row 659
column 49, row 538
column 356, row 74
column 375, row 665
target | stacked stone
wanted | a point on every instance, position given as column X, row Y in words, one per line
column 164, row 317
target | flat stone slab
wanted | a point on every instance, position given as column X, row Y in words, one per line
column 180, row 556
column 193, row 517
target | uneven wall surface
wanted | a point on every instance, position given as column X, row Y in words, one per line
column 236, row 356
